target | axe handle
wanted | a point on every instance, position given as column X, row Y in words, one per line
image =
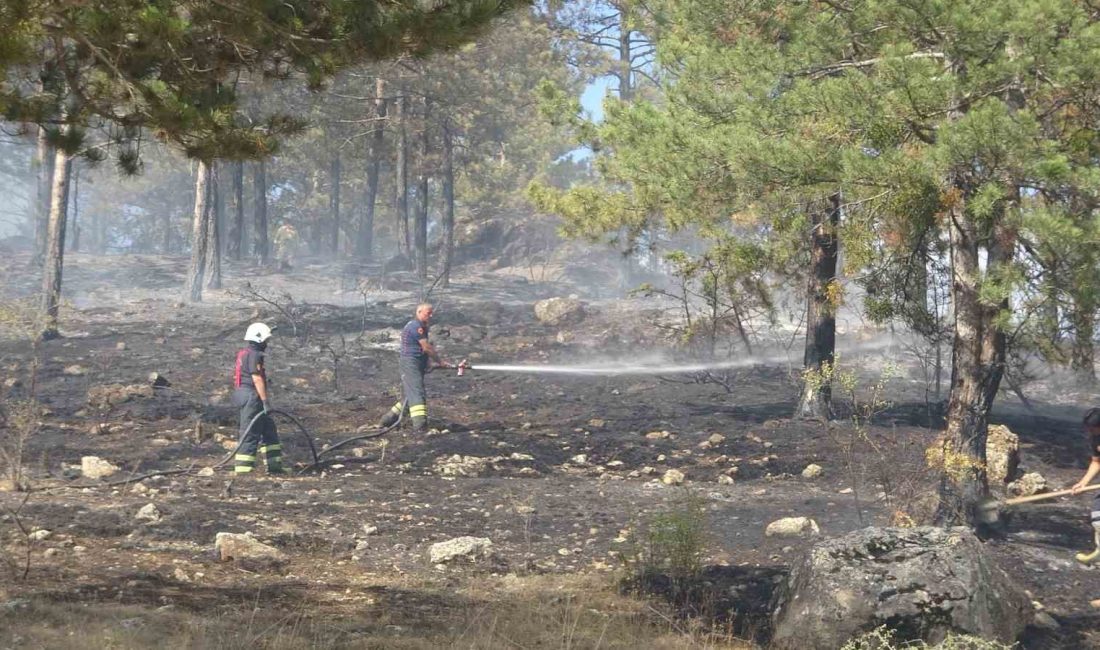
column 1050, row 495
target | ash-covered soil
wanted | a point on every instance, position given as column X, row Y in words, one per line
column 559, row 472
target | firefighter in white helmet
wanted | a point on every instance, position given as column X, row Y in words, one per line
column 251, row 396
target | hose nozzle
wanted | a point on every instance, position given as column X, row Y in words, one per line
column 462, row 366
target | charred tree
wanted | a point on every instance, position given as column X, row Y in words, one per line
column 214, row 232
column 365, row 242
column 402, row 180
column 420, row 240
column 54, row 261
column 43, row 166
column 260, row 246
column 816, row 398
column 978, row 358
column 1083, row 353
column 236, row 230
column 448, row 204
column 334, row 201
column 77, row 226
column 200, row 232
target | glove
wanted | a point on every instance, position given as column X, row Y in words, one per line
column 265, row 407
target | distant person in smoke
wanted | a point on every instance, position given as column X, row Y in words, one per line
column 251, row 397
column 1092, row 430
column 417, row 357
column 286, row 246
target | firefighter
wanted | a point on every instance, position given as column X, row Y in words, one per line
column 251, row 396
column 418, row 356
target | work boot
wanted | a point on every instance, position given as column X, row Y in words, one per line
column 278, row 470
column 389, row 420
column 420, row 425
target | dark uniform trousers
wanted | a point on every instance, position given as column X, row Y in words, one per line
column 416, row 399
column 263, row 431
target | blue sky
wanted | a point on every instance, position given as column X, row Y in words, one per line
column 592, row 98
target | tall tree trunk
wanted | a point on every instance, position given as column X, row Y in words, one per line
column 365, row 242
column 978, row 362
column 43, row 165
column 1083, row 318
column 625, row 67
column 77, row 226
column 421, row 225
column 236, row 230
column 334, row 201
column 200, row 232
column 816, row 398
column 214, row 232
column 402, row 177
column 260, row 245
column 448, row 204
column 166, row 244
column 54, row 262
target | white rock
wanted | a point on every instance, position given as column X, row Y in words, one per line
column 673, row 477
column 1028, row 484
column 74, row 370
column 41, row 535
column 791, row 526
column 725, row 480
column 369, row 529
column 716, row 439
column 658, row 435
column 812, row 471
column 579, row 459
column 234, row 546
column 94, row 467
column 469, row 548
column 206, row 471
column 148, row 512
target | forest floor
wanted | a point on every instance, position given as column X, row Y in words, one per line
column 562, row 473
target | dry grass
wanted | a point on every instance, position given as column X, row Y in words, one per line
column 510, row 612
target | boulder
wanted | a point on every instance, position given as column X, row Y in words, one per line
column 812, row 471
column 791, row 527
column 149, row 513
column 1002, row 454
column 464, row 548
column 1028, row 484
column 94, row 467
column 105, row 396
column 235, row 546
column 673, row 477
column 559, row 311
column 921, row 582
column 458, row 465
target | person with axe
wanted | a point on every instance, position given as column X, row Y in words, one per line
column 1092, row 430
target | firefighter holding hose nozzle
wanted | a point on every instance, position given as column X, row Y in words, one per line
column 418, row 356
column 251, row 397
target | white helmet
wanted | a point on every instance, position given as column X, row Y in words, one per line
column 257, row 332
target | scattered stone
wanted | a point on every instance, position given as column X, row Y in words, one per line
column 658, row 435
column 465, row 548
column 847, row 490
column 206, row 471
column 94, row 467
column 1045, row 621
column 149, row 513
column 50, row 552
column 157, row 380
column 716, row 439
column 235, row 546
column 181, row 575
column 812, row 471
column 673, row 477
column 559, row 311
column 41, row 535
column 521, row 457
column 74, row 370
column 120, row 346
column 105, row 396
column 597, row 423
column 458, row 465
column 725, row 480
column 1095, row 604
column 579, row 459
column 370, row 529
column 922, row 582
column 791, row 527
column 1028, row 484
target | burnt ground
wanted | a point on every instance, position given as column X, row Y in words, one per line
column 564, row 475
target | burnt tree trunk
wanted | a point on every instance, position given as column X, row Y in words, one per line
column 365, row 242
column 402, row 171
column 448, row 204
column 200, row 232
column 75, row 203
column 421, row 224
column 625, row 64
column 54, row 262
column 816, row 398
column 43, row 165
column 978, row 361
column 260, row 246
column 236, row 231
column 214, row 232
column 334, row 201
